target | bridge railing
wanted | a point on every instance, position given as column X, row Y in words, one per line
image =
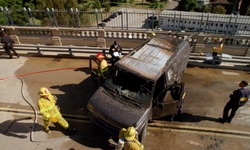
column 128, row 18
column 64, row 51
column 128, row 39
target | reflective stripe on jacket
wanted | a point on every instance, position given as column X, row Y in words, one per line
column 103, row 68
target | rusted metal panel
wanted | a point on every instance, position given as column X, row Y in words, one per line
column 151, row 59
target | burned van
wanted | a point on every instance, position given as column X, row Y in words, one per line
column 144, row 85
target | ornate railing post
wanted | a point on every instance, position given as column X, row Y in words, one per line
column 13, row 34
column 101, row 41
column 56, row 40
column 199, row 45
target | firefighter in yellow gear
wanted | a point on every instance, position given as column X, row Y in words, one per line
column 103, row 70
column 128, row 140
column 217, row 50
column 49, row 110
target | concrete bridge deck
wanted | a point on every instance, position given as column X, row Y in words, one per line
column 69, row 80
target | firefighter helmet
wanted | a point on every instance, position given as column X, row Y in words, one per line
column 130, row 133
column 99, row 55
column 43, row 91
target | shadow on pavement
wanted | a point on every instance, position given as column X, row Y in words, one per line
column 83, row 69
column 94, row 137
column 185, row 117
column 74, row 98
column 73, row 101
column 18, row 129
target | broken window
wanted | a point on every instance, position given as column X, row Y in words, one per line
column 130, row 86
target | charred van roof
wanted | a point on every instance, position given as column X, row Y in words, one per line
column 150, row 60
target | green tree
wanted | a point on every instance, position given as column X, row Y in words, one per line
column 3, row 20
column 61, row 11
column 131, row 2
column 94, row 4
column 14, row 10
column 187, row 5
column 244, row 9
column 156, row 4
column 56, row 4
column 232, row 6
column 218, row 10
column 29, row 4
column 248, row 11
column 3, row 3
column 206, row 9
column 106, row 5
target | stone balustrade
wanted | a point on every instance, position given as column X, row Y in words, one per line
column 103, row 38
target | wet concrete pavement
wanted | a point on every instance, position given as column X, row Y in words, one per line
column 70, row 82
column 67, row 79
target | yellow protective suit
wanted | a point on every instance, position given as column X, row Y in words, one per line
column 103, row 69
column 50, row 112
column 133, row 144
column 218, row 49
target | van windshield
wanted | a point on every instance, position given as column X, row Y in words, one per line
column 135, row 89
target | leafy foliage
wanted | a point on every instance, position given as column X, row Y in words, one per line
column 56, row 4
column 218, row 10
column 12, row 11
column 187, row 5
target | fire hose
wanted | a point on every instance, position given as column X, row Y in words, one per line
column 36, row 114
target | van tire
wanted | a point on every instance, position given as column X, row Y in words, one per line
column 142, row 135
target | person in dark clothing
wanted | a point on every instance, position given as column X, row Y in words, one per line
column 8, row 44
column 237, row 99
column 115, row 51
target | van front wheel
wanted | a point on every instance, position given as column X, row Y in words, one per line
column 143, row 133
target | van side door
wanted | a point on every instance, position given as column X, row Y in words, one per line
column 93, row 69
column 169, row 101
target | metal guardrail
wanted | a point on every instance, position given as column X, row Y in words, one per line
column 195, row 59
column 69, row 51
column 233, row 63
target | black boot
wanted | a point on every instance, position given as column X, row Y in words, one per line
column 15, row 53
column 71, row 129
column 9, row 53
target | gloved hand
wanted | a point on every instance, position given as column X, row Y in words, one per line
column 46, row 116
column 53, row 119
column 142, row 147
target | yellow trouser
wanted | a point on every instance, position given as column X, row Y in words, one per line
column 59, row 119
